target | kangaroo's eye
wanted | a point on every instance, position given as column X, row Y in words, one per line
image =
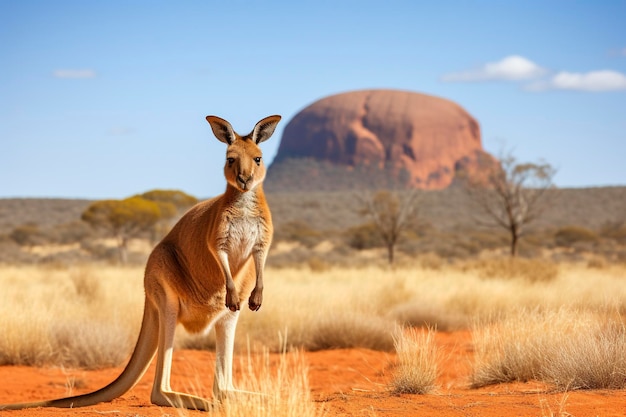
column 257, row 160
column 230, row 160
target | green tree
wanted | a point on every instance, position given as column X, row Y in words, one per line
column 123, row 219
column 391, row 215
column 172, row 203
column 511, row 194
column 179, row 199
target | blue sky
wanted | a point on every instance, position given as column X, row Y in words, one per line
column 105, row 99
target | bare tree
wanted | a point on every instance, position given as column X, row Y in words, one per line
column 511, row 194
column 391, row 214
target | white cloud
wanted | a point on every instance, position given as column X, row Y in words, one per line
column 593, row 81
column 511, row 68
column 74, row 73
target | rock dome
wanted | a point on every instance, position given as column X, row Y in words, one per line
column 379, row 138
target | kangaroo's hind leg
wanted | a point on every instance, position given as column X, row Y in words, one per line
column 225, row 328
column 162, row 393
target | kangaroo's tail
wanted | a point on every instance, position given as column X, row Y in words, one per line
column 137, row 365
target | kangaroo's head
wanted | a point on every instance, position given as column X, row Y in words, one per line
column 244, row 167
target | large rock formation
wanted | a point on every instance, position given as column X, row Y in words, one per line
column 376, row 138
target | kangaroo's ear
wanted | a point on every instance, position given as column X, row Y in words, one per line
column 222, row 129
column 264, row 129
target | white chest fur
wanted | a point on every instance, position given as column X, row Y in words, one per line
column 244, row 231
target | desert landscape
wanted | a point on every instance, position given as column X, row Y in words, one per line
column 524, row 338
column 419, row 208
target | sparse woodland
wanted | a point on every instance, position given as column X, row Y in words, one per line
column 326, row 229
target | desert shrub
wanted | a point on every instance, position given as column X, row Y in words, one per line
column 568, row 348
column 421, row 314
column 589, row 359
column 28, row 235
column 364, row 236
column 349, row 330
column 417, row 368
column 570, row 235
column 298, row 231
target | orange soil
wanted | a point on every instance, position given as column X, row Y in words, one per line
column 352, row 382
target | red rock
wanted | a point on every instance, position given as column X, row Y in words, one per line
column 397, row 132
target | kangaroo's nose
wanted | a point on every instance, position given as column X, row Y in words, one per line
column 243, row 181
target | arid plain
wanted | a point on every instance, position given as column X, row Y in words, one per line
column 456, row 328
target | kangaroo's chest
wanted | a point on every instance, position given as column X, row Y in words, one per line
column 244, row 233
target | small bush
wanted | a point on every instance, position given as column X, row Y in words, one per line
column 570, row 235
column 364, row 236
column 419, row 314
column 417, row 369
column 28, row 235
column 298, row 231
column 589, row 359
column 570, row 349
column 350, row 330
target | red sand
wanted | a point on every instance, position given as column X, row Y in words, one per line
column 350, row 382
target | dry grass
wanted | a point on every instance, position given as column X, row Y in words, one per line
column 571, row 349
column 89, row 316
column 282, row 388
column 417, row 369
column 532, row 270
column 77, row 317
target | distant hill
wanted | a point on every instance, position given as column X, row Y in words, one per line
column 43, row 212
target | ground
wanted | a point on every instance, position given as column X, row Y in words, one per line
column 349, row 382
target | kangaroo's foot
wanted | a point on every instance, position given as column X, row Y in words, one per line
column 180, row 400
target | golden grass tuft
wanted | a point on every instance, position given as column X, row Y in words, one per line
column 417, row 369
column 279, row 389
column 569, row 348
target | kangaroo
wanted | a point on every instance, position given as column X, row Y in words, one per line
column 199, row 275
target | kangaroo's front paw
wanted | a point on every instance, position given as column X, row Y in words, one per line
column 232, row 300
column 255, row 300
